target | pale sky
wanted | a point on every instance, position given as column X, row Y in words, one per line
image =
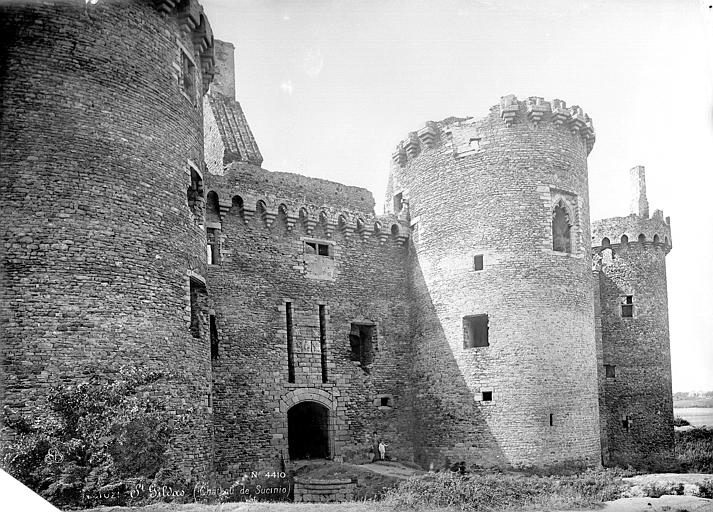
column 330, row 87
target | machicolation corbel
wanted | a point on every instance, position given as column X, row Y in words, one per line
column 248, row 214
column 559, row 112
column 577, row 121
column 189, row 15
column 270, row 218
column 191, row 19
column 399, row 155
column 344, row 226
column 589, row 134
column 536, row 109
column 224, row 207
column 428, row 134
column 509, row 108
column 411, row 145
column 309, row 225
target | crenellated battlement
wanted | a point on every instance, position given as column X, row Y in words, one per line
column 533, row 111
column 636, row 227
column 633, row 229
column 309, row 217
column 192, row 20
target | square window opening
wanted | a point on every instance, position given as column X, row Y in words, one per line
column 318, row 248
column 475, row 331
column 385, row 401
column 487, row 396
column 627, row 307
column 610, row 371
column 627, row 422
column 478, row 262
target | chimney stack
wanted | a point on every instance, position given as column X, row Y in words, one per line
column 639, row 204
column 224, row 79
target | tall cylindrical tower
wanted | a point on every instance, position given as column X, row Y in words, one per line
column 637, row 402
column 102, row 150
column 505, row 367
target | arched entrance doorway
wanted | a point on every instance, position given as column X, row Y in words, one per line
column 308, row 431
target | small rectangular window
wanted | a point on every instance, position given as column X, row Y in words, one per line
column 627, row 422
column 610, row 371
column 552, row 420
column 627, row 307
column 318, row 248
column 487, row 396
column 478, row 262
column 475, row 331
column 384, row 401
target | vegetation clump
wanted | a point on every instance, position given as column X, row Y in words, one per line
column 490, row 491
column 102, row 441
column 694, row 450
column 680, row 422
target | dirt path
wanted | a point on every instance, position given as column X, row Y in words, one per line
column 393, row 469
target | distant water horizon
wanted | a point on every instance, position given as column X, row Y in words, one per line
column 696, row 416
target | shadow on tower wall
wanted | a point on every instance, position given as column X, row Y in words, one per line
column 637, row 394
column 450, row 426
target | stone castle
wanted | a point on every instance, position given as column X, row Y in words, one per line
column 481, row 318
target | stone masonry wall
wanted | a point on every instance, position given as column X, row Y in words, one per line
column 263, row 266
column 637, row 391
column 488, row 187
column 97, row 236
column 601, row 372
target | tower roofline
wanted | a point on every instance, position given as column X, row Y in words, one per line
column 534, row 111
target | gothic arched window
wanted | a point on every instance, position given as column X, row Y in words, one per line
column 561, row 229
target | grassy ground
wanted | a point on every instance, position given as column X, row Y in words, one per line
column 692, row 402
column 368, row 506
column 494, row 490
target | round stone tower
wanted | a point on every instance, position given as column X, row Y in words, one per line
column 103, row 247
column 504, row 335
column 630, row 256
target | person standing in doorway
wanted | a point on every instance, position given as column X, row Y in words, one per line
column 375, row 447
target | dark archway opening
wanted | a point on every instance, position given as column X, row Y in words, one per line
column 308, row 431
